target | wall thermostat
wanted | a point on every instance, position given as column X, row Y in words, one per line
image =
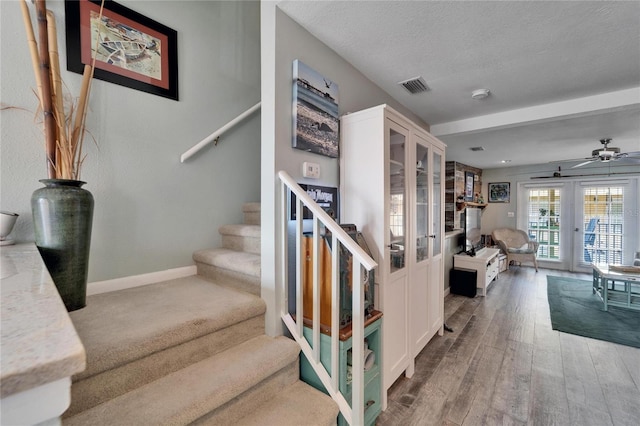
column 311, row 170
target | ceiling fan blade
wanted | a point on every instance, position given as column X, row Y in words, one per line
column 634, row 160
column 573, row 160
column 582, row 164
column 628, row 157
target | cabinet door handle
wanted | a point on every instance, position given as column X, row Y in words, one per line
column 433, row 236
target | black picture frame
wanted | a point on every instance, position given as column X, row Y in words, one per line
column 325, row 196
column 469, row 180
column 123, row 35
column 316, row 121
column 499, row 192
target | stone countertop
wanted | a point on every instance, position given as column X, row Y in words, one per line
column 39, row 343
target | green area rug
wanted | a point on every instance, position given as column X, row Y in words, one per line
column 576, row 310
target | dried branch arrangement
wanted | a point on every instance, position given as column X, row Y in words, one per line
column 64, row 130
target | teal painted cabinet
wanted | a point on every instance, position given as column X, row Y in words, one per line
column 372, row 382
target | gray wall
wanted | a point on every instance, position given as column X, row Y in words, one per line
column 496, row 215
column 151, row 211
column 283, row 40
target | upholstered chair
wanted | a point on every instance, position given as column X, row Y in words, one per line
column 516, row 244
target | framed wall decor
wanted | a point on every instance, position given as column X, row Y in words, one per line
column 130, row 49
column 469, row 179
column 325, row 196
column 500, row 192
column 315, row 115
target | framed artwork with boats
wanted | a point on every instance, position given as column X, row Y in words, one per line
column 129, row 48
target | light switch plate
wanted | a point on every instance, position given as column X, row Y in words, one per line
column 511, row 214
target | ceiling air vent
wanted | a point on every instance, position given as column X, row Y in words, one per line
column 477, row 148
column 415, row 85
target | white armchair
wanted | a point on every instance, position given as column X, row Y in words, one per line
column 516, row 244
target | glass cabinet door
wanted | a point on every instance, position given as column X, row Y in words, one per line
column 436, row 191
column 397, row 199
column 422, row 168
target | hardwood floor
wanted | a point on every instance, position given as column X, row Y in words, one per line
column 503, row 364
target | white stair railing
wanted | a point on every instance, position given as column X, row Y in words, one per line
column 354, row 413
column 215, row 135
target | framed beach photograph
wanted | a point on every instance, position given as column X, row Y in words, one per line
column 469, row 179
column 499, row 192
column 315, row 115
column 130, row 49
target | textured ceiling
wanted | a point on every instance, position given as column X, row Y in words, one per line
column 570, row 69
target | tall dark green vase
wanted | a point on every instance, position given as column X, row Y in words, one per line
column 62, row 218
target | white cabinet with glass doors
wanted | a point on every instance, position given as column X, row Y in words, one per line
column 392, row 188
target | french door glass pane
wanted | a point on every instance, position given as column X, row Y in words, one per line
column 397, row 199
column 436, row 171
column 603, row 224
column 422, row 202
column 544, row 221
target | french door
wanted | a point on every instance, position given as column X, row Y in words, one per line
column 544, row 224
column 577, row 223
column 607, row 221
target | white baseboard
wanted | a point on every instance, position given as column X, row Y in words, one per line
column 107, row 286
column 447, row 291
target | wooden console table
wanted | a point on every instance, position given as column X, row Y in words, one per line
column 606, row 283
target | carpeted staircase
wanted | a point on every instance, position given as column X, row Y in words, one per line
column 193, row 350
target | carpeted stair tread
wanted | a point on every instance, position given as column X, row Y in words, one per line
column 240, row 230
column 251, row 212
column 237, row 261
column 298, row 404
column 122, row 326
column 253, row 207
column 243, row 238
column 188, row 394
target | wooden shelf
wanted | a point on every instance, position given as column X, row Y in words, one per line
column 345, row 332
column 461, row 205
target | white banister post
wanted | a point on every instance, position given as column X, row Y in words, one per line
column 300, row 255
column 284, row 250
column 335, row 310
column 357, row 361
column 317, row 247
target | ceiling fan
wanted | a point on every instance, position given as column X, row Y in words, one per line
column 606, row 154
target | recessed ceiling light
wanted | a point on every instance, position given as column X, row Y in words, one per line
column 505, row 161
column 480, row 93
